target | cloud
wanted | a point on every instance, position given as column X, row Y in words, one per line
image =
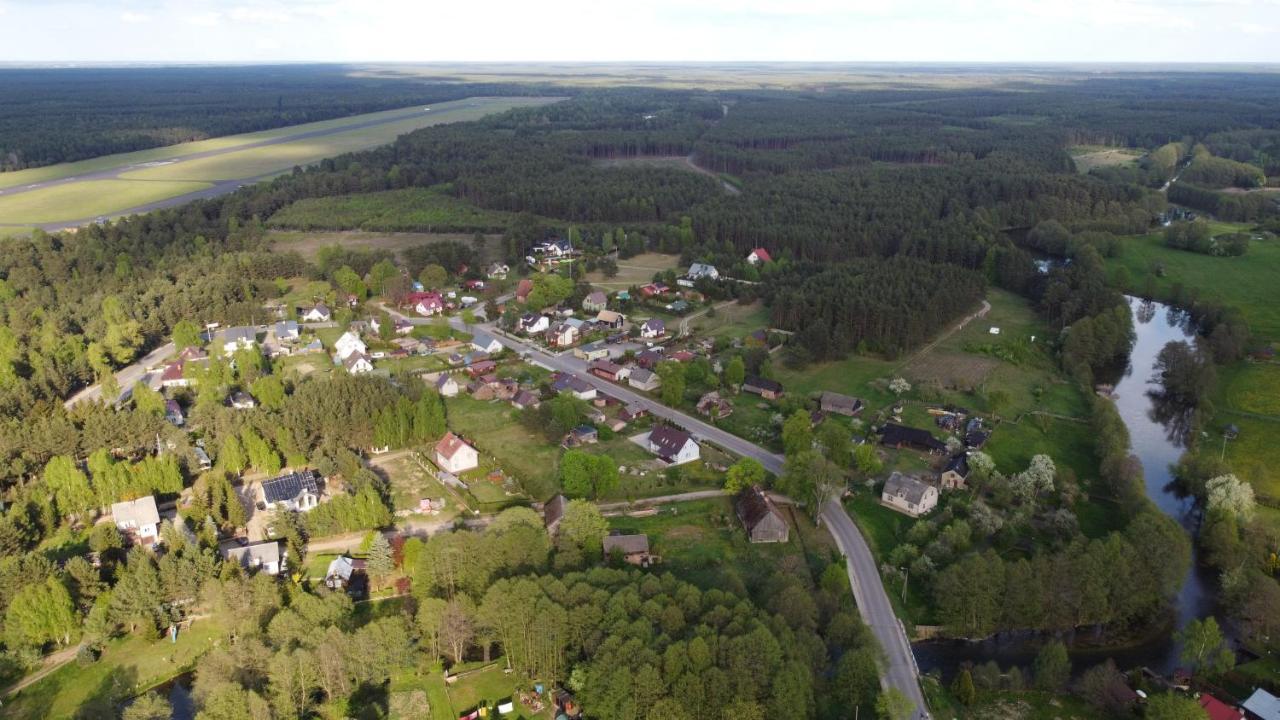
column 206, row 19
column 134, row 18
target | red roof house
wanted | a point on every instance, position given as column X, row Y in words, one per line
column 1218, row 710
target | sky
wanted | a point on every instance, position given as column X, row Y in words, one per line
column 37, row 31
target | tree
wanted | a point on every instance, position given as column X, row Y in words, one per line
column 231, row 457
column 1204, row 648
column 866, row 460
column 836, row 440
column 379, row 563
column 549, row 290
column 1052, row 667
column 673, row 382
column 893, row 704
column 69, row 486
column 186, row 334
column 41, row 612
column 1229, row 493
column 147, row 401
column 746, row 472
column 583, row 526
column 735, row 372
column 962, row 688
column 1036, row 480
column 433, row 276
column 123, row 335
column 456, row 627
column 1168, row 706
column 899, row 385
column 797, row 433
column 586, row 475
column 350, row 283
column 150, row 706
column 268, row 390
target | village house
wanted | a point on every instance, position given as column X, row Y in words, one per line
column 610, row 371
column 349, row 343
column 1216, row 709
column 454, row 455
column 672, row 445
column 175, row 375
column 711, row 404
column 592, row 351
column 315, row 313
column 357, row 363
column 531, row 323
column 764, row 387
column 610, row 319
column 595, row 301
column 497, row 271
column 1262, row 705
column 553, row 513
column 831, row 402
column 646, row 380
column 138, row 520
column 241, row 400
column 268, row 556
column 523, row 288
column 581, row 435
column 524, row 400
column 173, row 413
column 234, row 339
column 399, row 326
column 447, row 386
column 426, row 303
column 203, row 460
column 699, row 271
column 562, row 335
column 653, row 328
column 758, row 256
column 902, row 436
column 760, row 517
column 955, row 472
column 909, row 495
column 286, row 331
column 632, row 549
column 632, row 413
column 649, row 359
column 485, row 342
column 344, row 573
column 580, row 388
column 297, row 491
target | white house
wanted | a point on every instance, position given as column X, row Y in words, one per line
column 675, row 446
column 447, row 386
column 285, row 330
column 429, row 304
column 533, row 323
column 357, row 363
column 265, row 556
column 698, row 271
column 139, row 518
column 908, row 495
column 349, row 343
column 758, row 255
column 454, row 455
column 653, row 328
column 241, row 400
column 642, row 379
column 316, row 313
column 295, row 491
column 486, row 343
column 497, row 271
column 562, row 335
column 234, row 339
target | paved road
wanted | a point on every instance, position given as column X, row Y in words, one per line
column 864, row 576
column 873, row 603
column 126, row 376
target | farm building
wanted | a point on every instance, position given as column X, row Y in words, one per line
column 831, row 402
column 610, row 371
column 633, row 549
column 902, row 436
column 764, row 387
column 760, row 516
column 955, row 472
column 553, row 513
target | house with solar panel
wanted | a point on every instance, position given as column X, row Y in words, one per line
column 295, row 491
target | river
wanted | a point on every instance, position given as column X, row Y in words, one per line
column 1158, row 444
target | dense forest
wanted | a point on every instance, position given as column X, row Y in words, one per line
column 55, row 115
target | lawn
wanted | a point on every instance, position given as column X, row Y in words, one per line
column 410, row 483
column 1088, row 157
column 427, row 210
column 1247, row 282
column 704, row 543
column 1252, row 388
column 308, row 244
column 83, row 200
column 732, row 321
column 488, row 686
column 1252, row 455
column 637, row 270
column 524, row 454
column 127, row 666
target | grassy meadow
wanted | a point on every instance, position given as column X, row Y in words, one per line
column 409, row 209
column 86, row 200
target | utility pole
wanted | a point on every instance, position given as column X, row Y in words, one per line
column 905, row 580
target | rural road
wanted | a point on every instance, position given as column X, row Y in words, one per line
column 864, row 577
column 126, row 376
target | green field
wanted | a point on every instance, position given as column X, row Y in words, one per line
column 1247, row 282
column 88, row 199
column 1252, row 388
column 127, row 666
column 410, row 209
column 1088, row 157
column 176, row 177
